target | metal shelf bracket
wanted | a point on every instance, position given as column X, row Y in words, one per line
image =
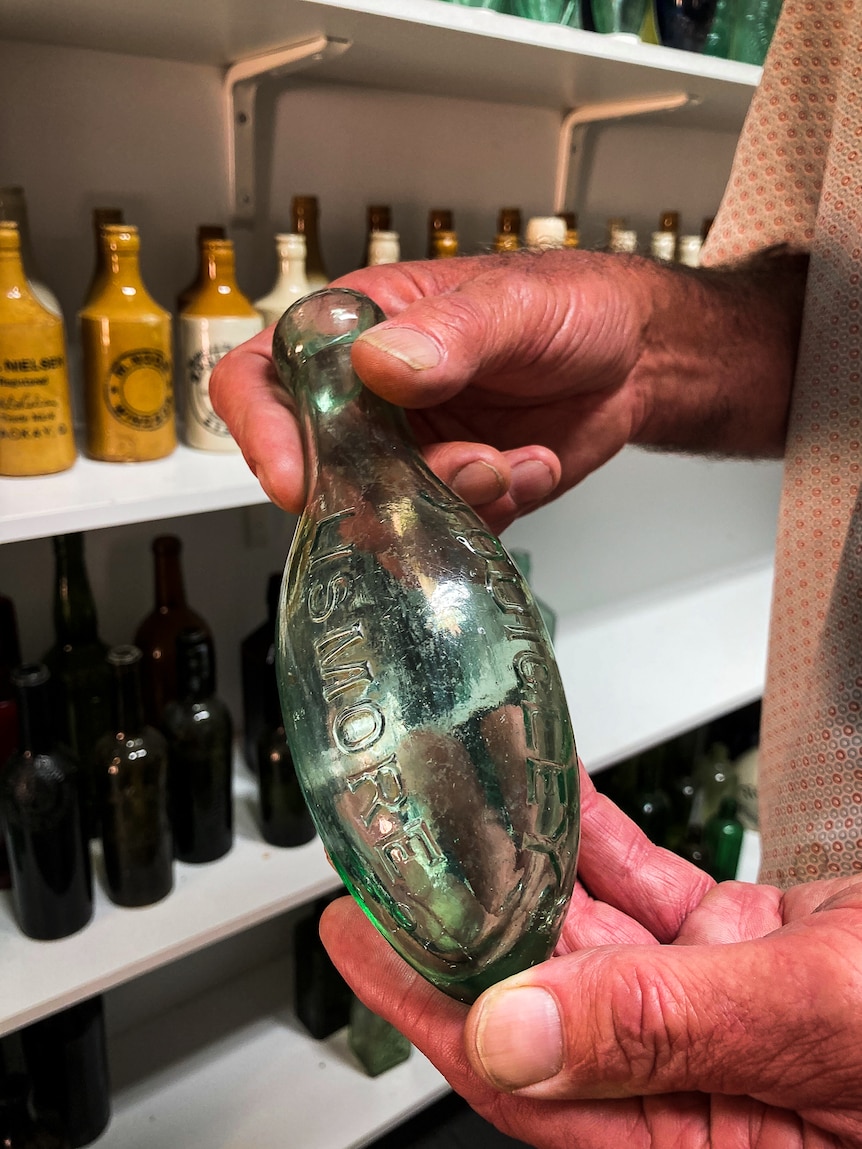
column 241, row 82
column 570, row 147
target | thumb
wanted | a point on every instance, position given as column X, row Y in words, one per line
column 626, row 1021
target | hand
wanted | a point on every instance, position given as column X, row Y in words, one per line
column 741, row 1029
column 516, row 372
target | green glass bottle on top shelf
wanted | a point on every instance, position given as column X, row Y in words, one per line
column 421, row 697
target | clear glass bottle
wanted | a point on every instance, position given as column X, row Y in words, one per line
column 217, row 318
column 76, row 660
column 199, row 732
column 377, row 1045
column 102, row 216
column 378, row 218
column 508, row 237
column 67, row 1060
column 422, row 701
column 127, row 364
column 36, row 431
column 13, row 208
column 157, row 634
column 291, row 282
column 131, row 762
column 385, row 247
column 52, row 890
column 305, row 221
column 205, row 231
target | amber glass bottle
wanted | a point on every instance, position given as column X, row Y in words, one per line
column 445, row 245
column 157, row 634
column 217, row 318
column 126, row 344
column 304, row 215
column 36, row 434
column 439, row 219
column 379, row 218
column 101, row 217
column 132, row 769
column 205, row 231
column 508, row 237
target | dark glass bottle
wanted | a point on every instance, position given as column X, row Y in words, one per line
column 157, row 634
column 722, row 837
column 18, row 1127
column 304, row 216
column 649, row 805
column 200, row 741
column 694, row 849
column 377, row 1044
column 10, row 657
column 132, row 765
column 67, row 1061
column 81, row 677
column 322, row 998
column 284, row 817
column 51, row 879
column 257, row 668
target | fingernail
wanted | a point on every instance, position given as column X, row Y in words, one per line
column 531, row 480
column 478, row 482
column 411, row 347
column 519, row 1037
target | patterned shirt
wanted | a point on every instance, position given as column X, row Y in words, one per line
column 797, row 178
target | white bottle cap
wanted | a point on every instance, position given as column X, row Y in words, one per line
column 689, row 250
column 624, row 240
column 663, row 245
column 384, row 248
column 545, row 231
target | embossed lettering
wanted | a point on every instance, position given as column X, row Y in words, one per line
column 324, row 598
column 358, row 727
column 327, row 543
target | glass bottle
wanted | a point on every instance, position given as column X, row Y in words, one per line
column 36, row 431
column 322, row 998
column 445, row 245
column 377, row 1045
column 157, row 634
column 544, row 232
column 13, row 208
column 753, row 25
column 51, row 880
column 305, row 217
column 439, row 219
column 132, row 767
column 508, row 237
column 127, row 367
column 722, row 836
column 67, row 1061
column 573, row 236
column 76, row 660
column 384, row 247
column 18, row 1127
column 718, row 38
column 101, row 217
column 257, row 669
column 378, row 218
column 649, row 805
column 421, row 697
column 199, row 732
column 715, row 779
column 284, row 816
column 205, row 231
column 10, row 657
column 684, row 24
column 688, row 250
column 217, row 318
column 291, row 283
column 694, row 849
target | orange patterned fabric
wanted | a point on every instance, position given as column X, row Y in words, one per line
column 797, row 177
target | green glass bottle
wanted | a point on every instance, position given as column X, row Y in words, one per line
column 722, row 836
column 321, row 996
column 421, row 697
column 378, row 1046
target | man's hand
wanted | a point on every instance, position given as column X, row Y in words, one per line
column 743, row 1028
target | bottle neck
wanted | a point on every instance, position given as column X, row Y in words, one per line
column 170, row 589
column 14, row 209
column 195, row 669
column 35, row 710
column 13, row 276
column 75, row 618
column 128, row 698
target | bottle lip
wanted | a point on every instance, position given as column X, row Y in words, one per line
column 10, row 235
column 124, row 655
column 30, row 674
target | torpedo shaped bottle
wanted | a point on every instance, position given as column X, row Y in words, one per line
column 421, row 697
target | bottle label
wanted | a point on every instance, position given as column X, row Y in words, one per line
column 205, row 340
column 138, row 389
column 36, row 433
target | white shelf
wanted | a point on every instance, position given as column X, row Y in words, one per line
column 655, row 668
column 409, row 45
column 92, row 495
column 233, row 1069
column 252, row 883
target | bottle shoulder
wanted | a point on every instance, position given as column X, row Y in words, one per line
column 219, row 301
column 118, row 300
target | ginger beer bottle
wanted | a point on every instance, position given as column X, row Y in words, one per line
column 36, row 434
column 126, row 344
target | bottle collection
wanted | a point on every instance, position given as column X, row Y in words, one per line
column 129, row 342
column 696, row 794
column 732, row 29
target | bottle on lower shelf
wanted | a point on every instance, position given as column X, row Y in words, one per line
column 377, row 1045
column 322, row 997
